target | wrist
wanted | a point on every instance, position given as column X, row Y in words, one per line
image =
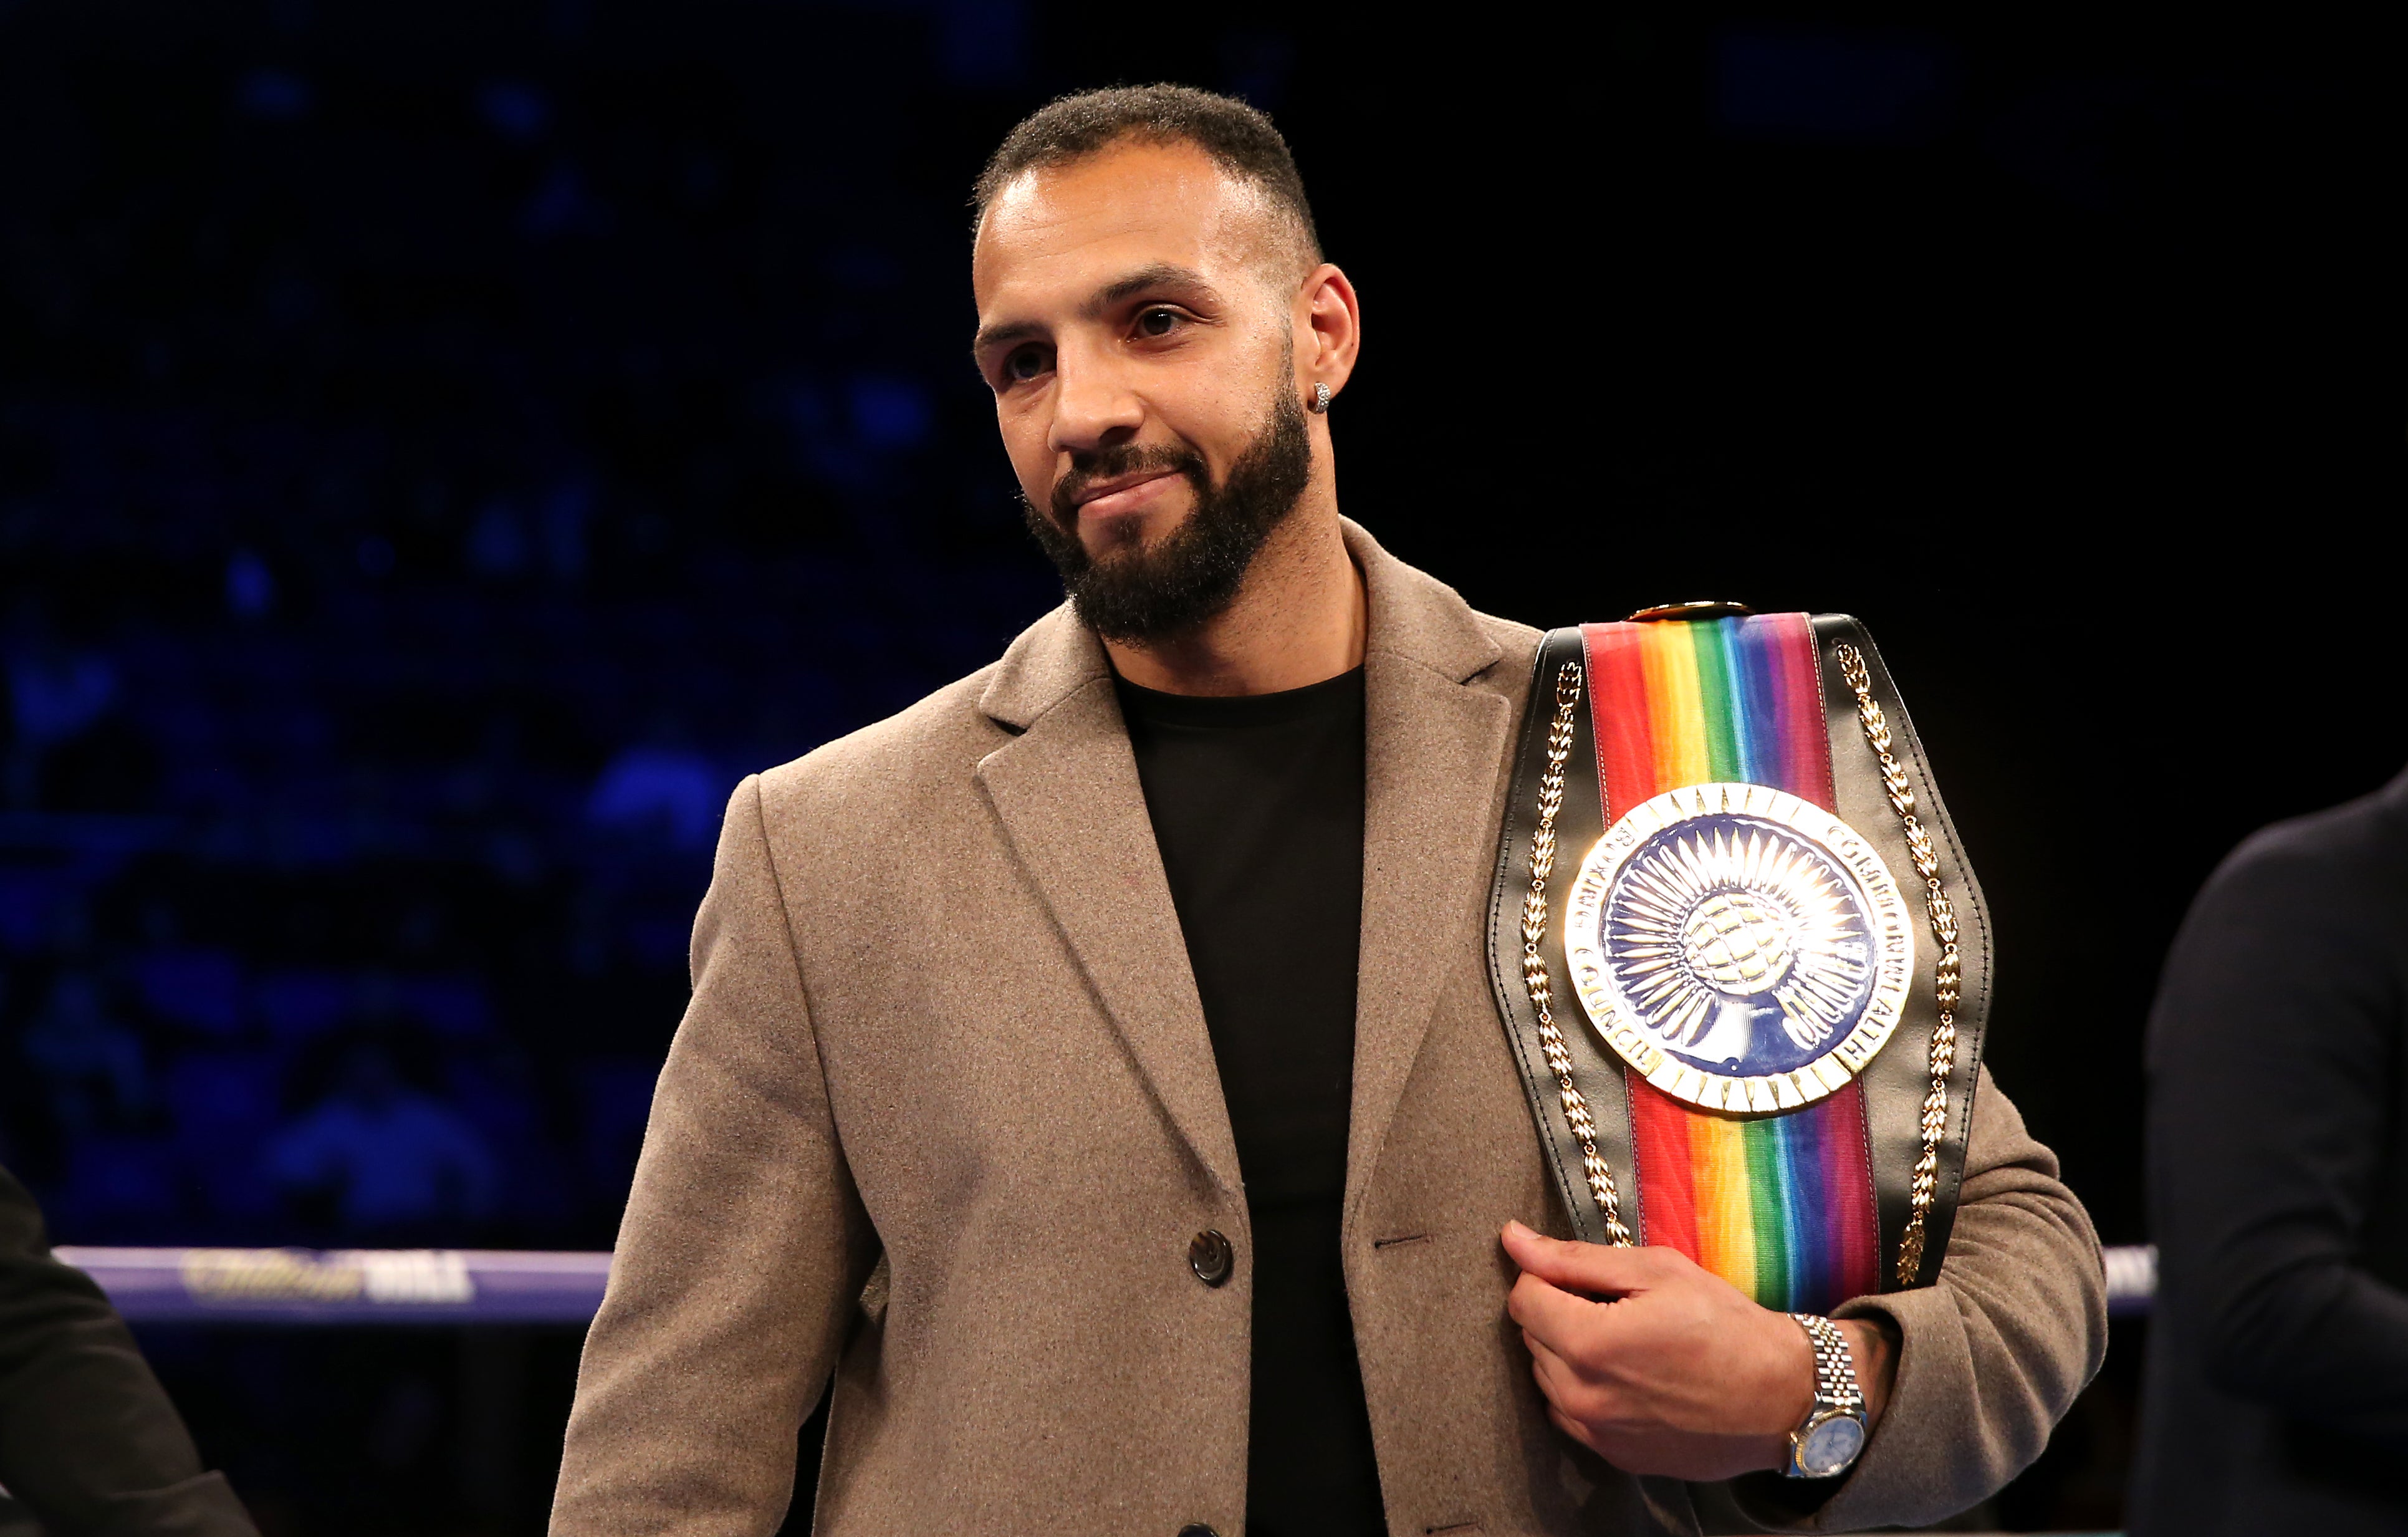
column 1793, row 1397
column 1834, row 1431
column 1789, row 1396
column 1873, row 1343
column 1785, row 1392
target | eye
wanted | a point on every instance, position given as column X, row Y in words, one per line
column 1023, row 364
column 1158, row 322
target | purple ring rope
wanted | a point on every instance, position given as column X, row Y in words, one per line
column 373, row 1286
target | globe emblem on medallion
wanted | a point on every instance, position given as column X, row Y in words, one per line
column 1741, row 949
column 1736, row 941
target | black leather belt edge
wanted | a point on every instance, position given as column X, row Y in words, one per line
column 1895, row 1083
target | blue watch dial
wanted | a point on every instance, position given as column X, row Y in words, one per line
column 1830, row 1446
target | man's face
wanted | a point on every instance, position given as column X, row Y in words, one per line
column 1136, row 323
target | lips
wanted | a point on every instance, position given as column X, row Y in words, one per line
column 1124, row 493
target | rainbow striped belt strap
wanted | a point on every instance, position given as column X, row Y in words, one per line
column 1726, row 1017
column 1781, row 1206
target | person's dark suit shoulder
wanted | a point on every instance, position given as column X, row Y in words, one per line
column 2346, row 866
column 89, row 1442
column 2278, row 1182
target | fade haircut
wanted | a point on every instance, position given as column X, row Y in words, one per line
column 1239, row 138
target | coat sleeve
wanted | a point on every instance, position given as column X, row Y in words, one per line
column 89, row 1442
column 742, row 1252
column 1992, row 1354
column 2274, row 1054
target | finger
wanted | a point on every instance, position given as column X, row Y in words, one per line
column 1569, row 1325
column 1575, row 1430
column 1595, row 1268
column 1565, row 1396
column 1566, row 1386
column 1555, row 1376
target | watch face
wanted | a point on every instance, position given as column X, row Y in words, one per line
column 1830, row 1446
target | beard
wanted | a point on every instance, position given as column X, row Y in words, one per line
column 1139, row 595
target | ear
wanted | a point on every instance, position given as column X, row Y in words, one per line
column 1329, row 328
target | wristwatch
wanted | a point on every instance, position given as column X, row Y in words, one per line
column 1834, row 1432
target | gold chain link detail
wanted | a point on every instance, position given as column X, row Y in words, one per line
column 1534, row 965
column 1944, row 979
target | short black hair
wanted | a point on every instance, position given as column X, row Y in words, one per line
column 1240, row 138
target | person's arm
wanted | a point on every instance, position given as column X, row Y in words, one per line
column 89, row 1442
column 743, row 1250
column 1966, row 1377
column 1990, row 1356
column 2274, row 1063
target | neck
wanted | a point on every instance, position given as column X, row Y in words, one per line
column 1299, row 618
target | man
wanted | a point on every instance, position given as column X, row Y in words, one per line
column 1094, row 1066
column 89, row 1443
column 2278, row 1189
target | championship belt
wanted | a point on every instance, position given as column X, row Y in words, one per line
column 1738, row 953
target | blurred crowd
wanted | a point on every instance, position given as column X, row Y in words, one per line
column 402, row 555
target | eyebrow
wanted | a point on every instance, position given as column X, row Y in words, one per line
column 1158, row 274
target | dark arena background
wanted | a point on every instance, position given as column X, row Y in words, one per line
column 444, row 446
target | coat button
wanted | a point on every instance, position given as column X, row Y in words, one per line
column 1211, row 1257
column 1198, row 1529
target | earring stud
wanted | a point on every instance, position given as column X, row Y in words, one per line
column 1319, row 405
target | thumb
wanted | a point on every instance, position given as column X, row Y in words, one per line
column 1594, row 1269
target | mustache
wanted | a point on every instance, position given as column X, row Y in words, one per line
column 1129, row 459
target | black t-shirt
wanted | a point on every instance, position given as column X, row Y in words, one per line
column 1257, row 807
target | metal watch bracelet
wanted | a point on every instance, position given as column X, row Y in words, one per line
column 1834, row 1431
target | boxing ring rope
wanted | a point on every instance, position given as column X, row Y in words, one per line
column 346, row 1286
column 377, row 1287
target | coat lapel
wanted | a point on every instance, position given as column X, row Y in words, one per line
column 1067, row 792
column 1432, row 761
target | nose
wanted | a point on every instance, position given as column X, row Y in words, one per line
column 1093, row 407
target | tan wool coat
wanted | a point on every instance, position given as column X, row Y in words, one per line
column 942, row 1118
